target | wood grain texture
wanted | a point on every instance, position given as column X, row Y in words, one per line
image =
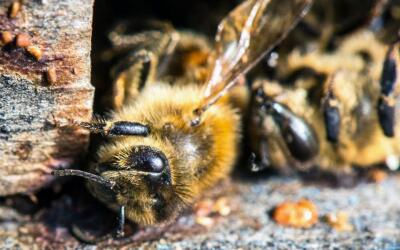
column 35, row 105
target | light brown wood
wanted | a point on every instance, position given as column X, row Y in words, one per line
column 39, row 96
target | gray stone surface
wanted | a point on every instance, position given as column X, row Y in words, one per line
column 373, row 209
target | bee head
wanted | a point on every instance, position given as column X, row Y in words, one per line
column 143, row 184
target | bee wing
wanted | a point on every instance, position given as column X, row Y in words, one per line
column 244, row 37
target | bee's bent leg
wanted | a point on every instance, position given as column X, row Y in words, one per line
column 388, row 99
column 121, row 222
column 116, row 128
column 259, row 158
column 260, row 161
column 130, row 76
column 160, row 38
column 142, row 58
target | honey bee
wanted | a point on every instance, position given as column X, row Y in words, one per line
column 169, row 141
column 340, row 109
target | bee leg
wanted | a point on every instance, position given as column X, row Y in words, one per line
column 331, row 113
column 116, row 128
column 262, row 160
column 147, row 56
column 119, row 233
column 160, row 38
column 121, row 222
column 388, row 99
column 131, row 75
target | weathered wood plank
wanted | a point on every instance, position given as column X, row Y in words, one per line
column 38, row 95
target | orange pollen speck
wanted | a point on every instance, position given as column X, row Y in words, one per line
column 6, row 37
column 14, row 9
column 23, row 40
column 51, row 75
column 301, row 214
column 35, row 52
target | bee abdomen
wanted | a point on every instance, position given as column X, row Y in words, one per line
column 300, row 138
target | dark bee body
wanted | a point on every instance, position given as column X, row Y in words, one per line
column 346, row 112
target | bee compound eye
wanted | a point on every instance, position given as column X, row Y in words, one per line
column 147, row 159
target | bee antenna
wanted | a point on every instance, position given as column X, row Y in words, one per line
column 89, row 176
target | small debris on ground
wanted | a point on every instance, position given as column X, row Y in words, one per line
column 300, row 214
column 377, row 175
column 23, row 40
column 207, row 210
column 6, row 37
column 51, row 75
column 339, row 221
column 35, row 51
column 14, row 9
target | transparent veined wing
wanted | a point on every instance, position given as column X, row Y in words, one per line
column 243, row 38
